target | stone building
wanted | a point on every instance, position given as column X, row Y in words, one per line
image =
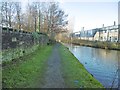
column 108, row 33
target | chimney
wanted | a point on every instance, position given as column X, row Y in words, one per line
column 83, row 28
column 114, row 23
column 103, row 25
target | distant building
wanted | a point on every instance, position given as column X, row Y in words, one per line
column 109, row 33
column 86, row 34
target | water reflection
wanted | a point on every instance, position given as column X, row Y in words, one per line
column 102, row 63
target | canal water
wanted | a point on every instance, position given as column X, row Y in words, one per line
column 101, row 63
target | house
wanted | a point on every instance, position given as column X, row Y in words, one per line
column 86, row 34
column 109, row 33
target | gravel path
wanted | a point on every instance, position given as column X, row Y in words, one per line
column 53, row 76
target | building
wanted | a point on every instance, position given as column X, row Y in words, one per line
column 86, row 34
column 109, row 33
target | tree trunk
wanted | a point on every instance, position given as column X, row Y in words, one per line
column 19, row 25
column 35, row 23
column 39, row 20
column 6, row 14
column 10, row 21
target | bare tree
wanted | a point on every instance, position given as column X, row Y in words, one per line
column 56, row 19
column 44, row 17
column 4, row 13
column 34, row 13
column 39, row 12
column 11, row 11
column 18, row 13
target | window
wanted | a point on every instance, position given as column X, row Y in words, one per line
column 115, row 38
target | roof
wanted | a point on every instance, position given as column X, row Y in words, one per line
column 89, row 33
column 92, row 32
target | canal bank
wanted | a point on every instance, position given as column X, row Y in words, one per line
column 74, row 73
column 101, row 63
column 50, row 66
column 95, row 44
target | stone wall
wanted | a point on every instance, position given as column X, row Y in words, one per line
column 16, row 43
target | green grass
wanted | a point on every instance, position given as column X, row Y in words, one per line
column 0, row 78
column 74, row 73
column 26, row 73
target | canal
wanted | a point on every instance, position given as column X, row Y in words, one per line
column 101, row 63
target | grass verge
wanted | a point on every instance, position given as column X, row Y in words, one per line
column 95, row 44
column 98, row 44
column 74, row 73
column 23, row 74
